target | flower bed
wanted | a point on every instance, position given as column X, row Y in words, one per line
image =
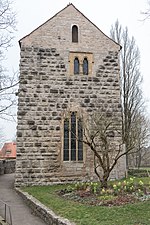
column 117, row 193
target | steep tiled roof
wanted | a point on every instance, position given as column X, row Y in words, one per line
column 8, row 150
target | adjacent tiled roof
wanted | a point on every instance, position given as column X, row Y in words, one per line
column 8, row 150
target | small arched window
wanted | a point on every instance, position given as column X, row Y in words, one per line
column 74, row 33
column 85, row 66
column 76, row 66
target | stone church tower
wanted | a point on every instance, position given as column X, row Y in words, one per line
column 68, row 68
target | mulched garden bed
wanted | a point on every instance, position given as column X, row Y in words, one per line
column 89, row 198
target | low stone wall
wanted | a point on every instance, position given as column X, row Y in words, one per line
column 46, row 214
column 7, row 166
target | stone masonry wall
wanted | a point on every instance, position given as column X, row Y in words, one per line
column 56, row 33
column 47, row 92
column 7, row 166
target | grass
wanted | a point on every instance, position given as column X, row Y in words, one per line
column 131, row 214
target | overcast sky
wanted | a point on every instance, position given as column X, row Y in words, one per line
column 32, row 13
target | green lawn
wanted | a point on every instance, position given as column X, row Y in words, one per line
column 133, row 214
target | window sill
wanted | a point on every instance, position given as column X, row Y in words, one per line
column 73, row 162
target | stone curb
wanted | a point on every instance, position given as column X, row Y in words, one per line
column 46, row 214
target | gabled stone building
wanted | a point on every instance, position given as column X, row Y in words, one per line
column 68, row 68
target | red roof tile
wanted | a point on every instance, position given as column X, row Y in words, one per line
column 8, row 150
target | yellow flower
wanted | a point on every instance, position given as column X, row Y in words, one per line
column 103, row 190
column 124, row 182
column 114, row 186
column 140, row 182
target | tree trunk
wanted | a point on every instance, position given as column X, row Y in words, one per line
column 104, row 180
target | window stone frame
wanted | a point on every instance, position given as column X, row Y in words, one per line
column 68, row 116
column 81, row 56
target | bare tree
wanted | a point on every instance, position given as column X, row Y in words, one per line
column 142, row 133
column 1, row 138
column 7, row 24
column 8, row 99
column 131, row 94
column 7, row 83
column 146, row 157
column 102, row 135
column 146, row 13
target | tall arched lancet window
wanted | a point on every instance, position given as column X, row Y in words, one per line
column 74, row 33
column 76, row 66
column 66, row 139
column 73, row 138
column 80, row 139
column 85, row 66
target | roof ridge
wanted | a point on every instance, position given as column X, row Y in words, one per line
column 69, row 4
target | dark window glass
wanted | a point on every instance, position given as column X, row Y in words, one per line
column 66, row 140
column 73, row 136
column 76, row 66
column 85, row 66
column 74, row 33
column 80, row 138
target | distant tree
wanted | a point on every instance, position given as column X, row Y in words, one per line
column 131, row 93
column 7, row 83
column 146, row 157
column 142, row 133
column 146, row 13
column 1, row 138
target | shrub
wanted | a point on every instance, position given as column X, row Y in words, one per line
column 138, row 172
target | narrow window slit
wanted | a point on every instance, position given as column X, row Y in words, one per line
column 75, row 34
